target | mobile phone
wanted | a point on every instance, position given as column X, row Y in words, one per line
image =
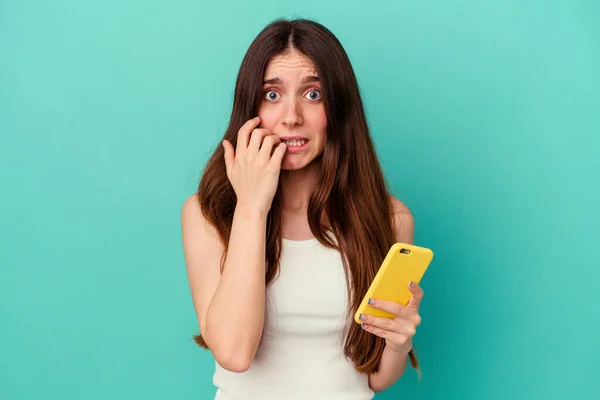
column 403, row 263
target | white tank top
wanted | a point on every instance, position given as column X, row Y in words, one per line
column 301, row 352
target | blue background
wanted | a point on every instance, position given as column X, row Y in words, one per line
column 484, row 113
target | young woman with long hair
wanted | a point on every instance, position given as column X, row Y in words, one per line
column 290, row 223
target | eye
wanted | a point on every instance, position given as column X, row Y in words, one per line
column 271, row 95
column 314, row 95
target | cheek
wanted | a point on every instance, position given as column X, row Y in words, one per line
column 315, row 117
column 268, row 118
column 322, row 122
column 318, row 123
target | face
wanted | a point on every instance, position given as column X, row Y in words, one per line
column 292, row 108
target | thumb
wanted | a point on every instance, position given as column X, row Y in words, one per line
column 416, row 295
column 228, row 154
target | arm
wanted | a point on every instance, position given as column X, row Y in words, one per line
column 393, row 363
column 229, row 306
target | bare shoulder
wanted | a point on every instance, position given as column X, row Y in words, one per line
column 398, row 206
column 403, row 221
column 198, row 235
column 191, row 207
column 192, row 217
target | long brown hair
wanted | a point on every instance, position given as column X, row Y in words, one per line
column 351, row 191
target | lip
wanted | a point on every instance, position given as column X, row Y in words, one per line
column 293, row 138
column 294, row 149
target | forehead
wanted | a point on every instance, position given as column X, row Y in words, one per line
column 290, row 65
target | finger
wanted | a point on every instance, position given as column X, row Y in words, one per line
column 269, row 142
column 406, row 325
column 387, row 324
column 399, row 339
column 278, row 154
column 229, row 156
column 256, row 139
column 382, row 333
column 416, row 297
column 244, row 134
column 392, row 307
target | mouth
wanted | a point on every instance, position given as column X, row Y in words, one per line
column 296, row 145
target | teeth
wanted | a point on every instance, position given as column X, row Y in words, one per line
column 295, row 143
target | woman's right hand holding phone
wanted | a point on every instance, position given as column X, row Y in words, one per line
column 253, row 169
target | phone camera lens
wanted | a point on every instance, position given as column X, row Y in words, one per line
column 402, row 251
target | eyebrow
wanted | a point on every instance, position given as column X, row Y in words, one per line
column 277, row 81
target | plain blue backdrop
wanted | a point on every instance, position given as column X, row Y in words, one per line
column 485, row 116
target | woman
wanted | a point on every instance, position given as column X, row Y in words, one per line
column 290, row 224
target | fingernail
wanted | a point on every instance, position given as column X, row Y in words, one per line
column 371, row 301
column 410, row 284
column 257, row 117
column 361, row 317
column 362, row 325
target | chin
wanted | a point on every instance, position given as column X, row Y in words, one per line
column 291, row 166
column 297, row 165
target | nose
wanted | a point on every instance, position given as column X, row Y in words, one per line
column 292, row 115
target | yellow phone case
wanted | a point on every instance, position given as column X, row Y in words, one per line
column 391, row 281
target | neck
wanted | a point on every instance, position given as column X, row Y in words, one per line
column 297, row 187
